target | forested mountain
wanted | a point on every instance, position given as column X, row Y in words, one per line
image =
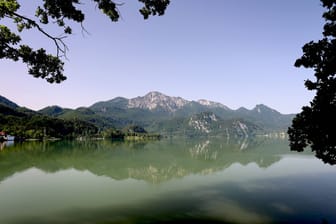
column 6, row 102
column 53, row 111
column 208, row 124
column 155, row 112
column 156, row 107
column 24, row 123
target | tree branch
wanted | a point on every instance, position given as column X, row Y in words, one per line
column 58, row 41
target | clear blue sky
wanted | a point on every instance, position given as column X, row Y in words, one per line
column 236, row 52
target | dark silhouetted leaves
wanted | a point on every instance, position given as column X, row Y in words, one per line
column 315, row 125
column 54, row 12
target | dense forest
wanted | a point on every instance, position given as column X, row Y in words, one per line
column 27, row 124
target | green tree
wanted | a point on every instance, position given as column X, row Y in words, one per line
column 113, row 133
column 315, row 125
column 55, row 13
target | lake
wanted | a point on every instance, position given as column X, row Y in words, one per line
column 167, row 181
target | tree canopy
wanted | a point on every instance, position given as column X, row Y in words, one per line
column 315, row 125
column 55, row 13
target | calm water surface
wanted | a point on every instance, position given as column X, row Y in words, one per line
column 168, row 181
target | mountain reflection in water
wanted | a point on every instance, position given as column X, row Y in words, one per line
column 193, row 181
column 150, row 161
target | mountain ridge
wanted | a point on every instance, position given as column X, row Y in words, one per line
column 156, row 112
column 6, row 102
column 151, row 97
column 158, row 108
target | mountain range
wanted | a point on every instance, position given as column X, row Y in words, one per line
column 167, row 115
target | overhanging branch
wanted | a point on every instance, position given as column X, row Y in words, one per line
column 61, row 47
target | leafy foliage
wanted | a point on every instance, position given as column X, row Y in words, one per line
column 134, row 129
column 314, row 126
column 131, row 132
column 59, row 13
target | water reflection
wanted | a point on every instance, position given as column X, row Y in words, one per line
column 152, row 161
column 4, row 144
column 203, row 181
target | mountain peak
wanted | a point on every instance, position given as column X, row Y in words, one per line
column 212, row 104
column 154, row 94
column 156, row 100
column 242, row 109
column 260, row 108
column 53, row 111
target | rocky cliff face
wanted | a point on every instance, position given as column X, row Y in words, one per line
column 208, row 123
column 157, row 101
column 204, row 122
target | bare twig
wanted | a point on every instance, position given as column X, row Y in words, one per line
column 84, row 30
